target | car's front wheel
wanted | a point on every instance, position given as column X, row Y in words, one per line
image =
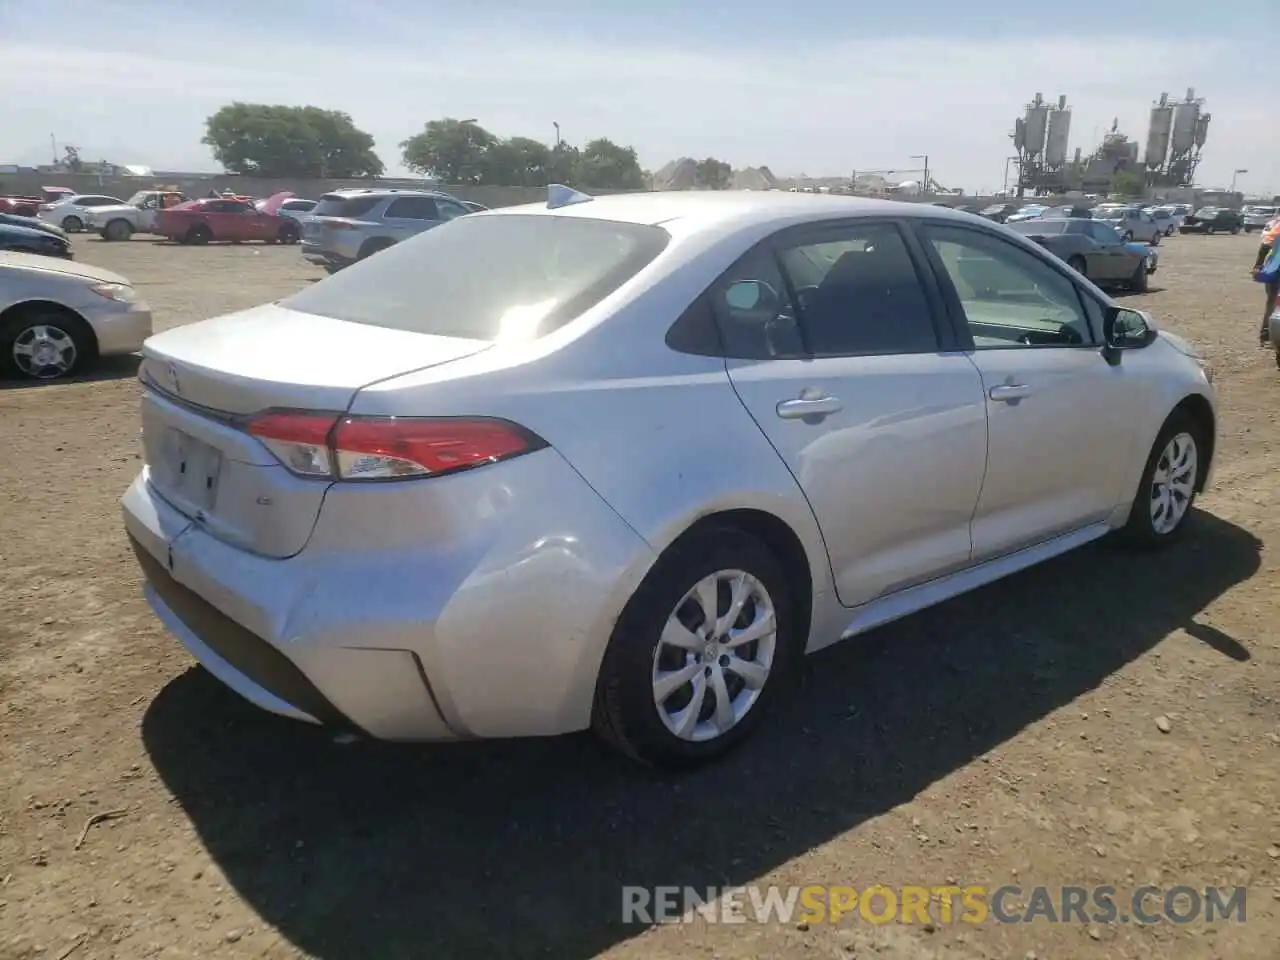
column 43, row 344
column 1167, row 490
column 704, row 646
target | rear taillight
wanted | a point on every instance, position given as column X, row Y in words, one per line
column 329, row 446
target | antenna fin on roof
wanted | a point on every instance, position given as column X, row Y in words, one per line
column 558, row 195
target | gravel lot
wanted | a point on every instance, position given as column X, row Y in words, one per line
column 1009, row 736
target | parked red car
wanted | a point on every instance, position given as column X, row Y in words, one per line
column 225, row 218
column 30, row 206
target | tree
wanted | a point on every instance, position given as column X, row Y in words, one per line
column 713, row 174
column 451, row 150
column 1127, row 183
column 517, row 161
column 282, row 141
column 604, row 164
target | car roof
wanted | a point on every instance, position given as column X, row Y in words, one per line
column 707, row 209
column 386, row 192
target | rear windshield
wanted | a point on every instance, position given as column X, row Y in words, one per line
column 1039, row 227
column 512, row 276
column 334, row 205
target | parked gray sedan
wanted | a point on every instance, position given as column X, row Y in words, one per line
column 1093, row 249
column 57, row 316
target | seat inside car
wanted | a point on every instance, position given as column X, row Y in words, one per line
column 860, row 305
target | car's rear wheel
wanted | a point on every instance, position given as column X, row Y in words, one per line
column 198, row 234
column 703, row 648
column 1138, row 283
column 1127, row 236
column 373, row 246
column 289, row 233
column 117, row 230
column 1167, row 490
column 1168, row 231
column 44, row 344
column 1078, row 264
column 1234, row 231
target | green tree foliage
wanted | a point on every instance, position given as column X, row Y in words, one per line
column 1127, row 183
column 454, row 151
column 605, row 164
column 463, row 152
column 713, row 174
column 281, row 141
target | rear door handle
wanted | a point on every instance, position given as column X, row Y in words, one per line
column 803, row 407
column 1009, row 392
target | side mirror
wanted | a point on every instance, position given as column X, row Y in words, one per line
column 1124, row 329
column 749, row 295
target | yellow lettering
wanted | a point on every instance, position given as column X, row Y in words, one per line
column 814, row 910
column 915, row 905
column 887, row 898
column 975, row 905
column 946, row 899
column 841, row 900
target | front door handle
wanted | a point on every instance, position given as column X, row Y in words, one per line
column 804, row 407
column 1009, row 392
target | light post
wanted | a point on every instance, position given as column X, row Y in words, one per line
column 1234, row 174
column 924, row 183
column 557, row 126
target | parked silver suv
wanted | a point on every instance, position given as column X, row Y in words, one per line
column 349, row 225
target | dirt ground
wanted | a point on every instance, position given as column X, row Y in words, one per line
column 1007, row 737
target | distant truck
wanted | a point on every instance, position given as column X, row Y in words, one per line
column 136, row 215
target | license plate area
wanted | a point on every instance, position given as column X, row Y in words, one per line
column 193, row 469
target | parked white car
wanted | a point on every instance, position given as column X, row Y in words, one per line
column 295, row 209
column 1257, row 218
column 72, row 213
column 1131, row 223
column 137, row 215
column 619, row 462
column 57, row 317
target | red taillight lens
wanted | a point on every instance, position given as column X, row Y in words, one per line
column 387, row 448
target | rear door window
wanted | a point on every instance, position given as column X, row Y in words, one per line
column 412, row 208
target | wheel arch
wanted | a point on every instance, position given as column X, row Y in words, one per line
column 25, row 307
column 1198, row 409
column 777, row 535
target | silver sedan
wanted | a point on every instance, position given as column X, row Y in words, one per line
column 619, row 462
column 57, row 317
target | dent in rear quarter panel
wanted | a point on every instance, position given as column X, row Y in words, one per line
column 505, row 581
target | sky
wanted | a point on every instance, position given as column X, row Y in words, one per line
column 824, row 89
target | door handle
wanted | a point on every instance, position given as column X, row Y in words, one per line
column 1009, row 392
column 803, row 407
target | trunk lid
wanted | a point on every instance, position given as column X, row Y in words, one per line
column 200, row 381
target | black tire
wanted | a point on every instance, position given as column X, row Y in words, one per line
column 374, row 246
column 1140, row 530
column 117, row 229
column 1127, row 236
column 1234, row 231
column 72, row 224
column 1168, row 231
column 1078, row 264
column 1138, row 283
column 17, row 324
column 625, row 714
column 199, row 234
column 1278, row 358
column 289, row 233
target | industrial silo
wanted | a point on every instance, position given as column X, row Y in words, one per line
column 1035, row 127
column 1059, row 130
column 1158, row 133
column 1186, row 117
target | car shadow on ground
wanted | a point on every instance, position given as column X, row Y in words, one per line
column 520, row 848
column 107, row 368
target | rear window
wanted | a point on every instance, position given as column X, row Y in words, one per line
column 334, row 205
column 515, row 276
column 1039, row 227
